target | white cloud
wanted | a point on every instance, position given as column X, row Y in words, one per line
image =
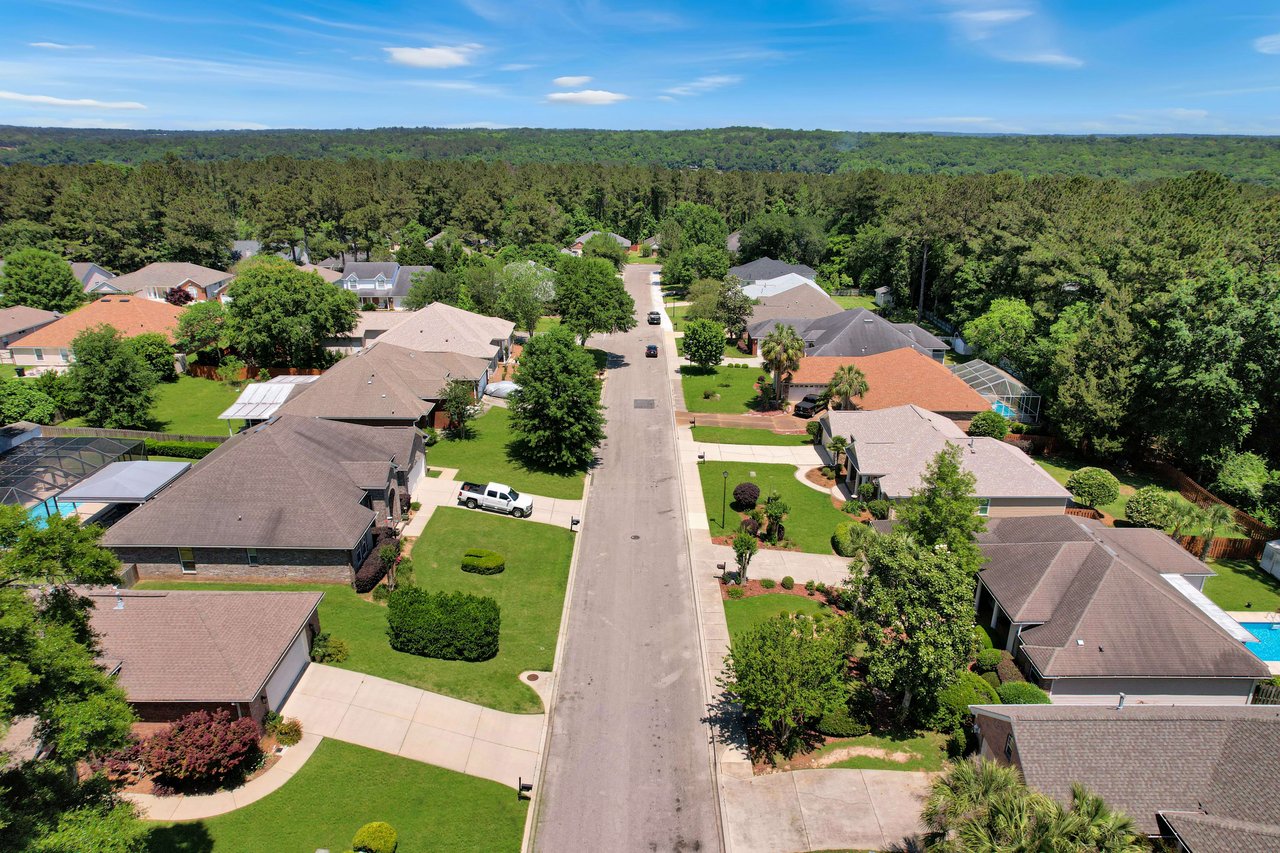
column 665, row 98
column 593, row 97
column 708, row 83
column 1267, row 44
column 51, row 101
column 50, row 45
column 516, row 66
column 1060, row 60
column 440, row 56
column 469, row 86
column 570, row 82
column 987, row 17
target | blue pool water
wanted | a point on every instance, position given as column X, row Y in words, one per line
column 1268, row 634
column 1003, row 409
column 41, row 511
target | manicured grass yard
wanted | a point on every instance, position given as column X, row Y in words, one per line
column 486, row 457
column 8, row 371
column 545, row 323
column 747, row 613
column 730, row 351
column 1241, row 582
column 189, row 406
column 341, row 788
column 735, row 385
column 847, row 302
column 530, row 593
column 742, row 435
column 928, row 751
column 811, row 521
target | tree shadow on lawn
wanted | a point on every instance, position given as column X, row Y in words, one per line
column 517, row 453
column 180, row 838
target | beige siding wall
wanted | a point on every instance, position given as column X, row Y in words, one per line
column 1153, row 691
column 1003, row 507
column 52, row 360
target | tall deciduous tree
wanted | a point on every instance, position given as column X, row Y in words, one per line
column 943, row 511
column 733, row 307
column 703, row 342
column 688, row 224
column 605, row 247
column 688, row 265
column 779, row 235
column 1005, row 332
column 526, row 289
column 156, row 351
column 592, row 299
column 39, row 279
column 201, row 330
column 459, row 401
column 113, row 385
column 556, row 412
column 280, row 316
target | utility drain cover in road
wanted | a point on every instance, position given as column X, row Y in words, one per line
column 642, row 404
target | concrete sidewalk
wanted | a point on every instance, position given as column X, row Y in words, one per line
column 778, row 422
column 443, row 491
column 803, row 455
column 413, row 723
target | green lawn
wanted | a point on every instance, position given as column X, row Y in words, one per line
column 928, row 751
column 743, row 435
column 189, row 406
column 637, row 258
column 1241, row 582
column 749, row 612
column 811, row 521
column 730, row 350
column 545, row 323
column 179, row 459
column 847, row 302
column 342, row 787
column 486, row 457
column 735, row 385
column 8, row 371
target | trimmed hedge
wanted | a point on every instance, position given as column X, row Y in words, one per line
column 990, row 424
column 375, row 568
column 1022, row 693
column 984, row 639
column 443, row 625
column 746, row 495
column 992, row 679
column 969, row 688
column 481, row 561
column 879, row 509
column 181, row 449
column 1008, row 670
column 840, row 723
column 989, row 660
column 376, row 837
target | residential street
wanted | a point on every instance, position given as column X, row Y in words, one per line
column 628, row 763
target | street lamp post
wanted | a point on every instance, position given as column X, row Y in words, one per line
column 724, row 493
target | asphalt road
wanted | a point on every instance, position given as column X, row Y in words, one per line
column 628, row 766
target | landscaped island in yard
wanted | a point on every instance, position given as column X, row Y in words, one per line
column 812, row 517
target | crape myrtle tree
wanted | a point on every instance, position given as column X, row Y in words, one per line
column 556, row 413
column 592, row 299
column 280, row 315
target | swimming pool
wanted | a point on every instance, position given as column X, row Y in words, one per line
column 1003, row 408
column 1268, row 634
column 41, row 511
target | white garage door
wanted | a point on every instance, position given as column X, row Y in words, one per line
column 287, row 673
column 415, row 476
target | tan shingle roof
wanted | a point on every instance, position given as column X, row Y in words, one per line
column 898, row 377
column 20, row 317
column 198, row 645
column 443, row 328
column 130, row 315
column 167, row 275
column 794, row 303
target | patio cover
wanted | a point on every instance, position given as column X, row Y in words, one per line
column 125, row 482
column 261, row 400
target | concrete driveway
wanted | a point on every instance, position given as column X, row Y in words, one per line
column 433, row 492
column 427, row 727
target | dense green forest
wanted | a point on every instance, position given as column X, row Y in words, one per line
column 1244, row 158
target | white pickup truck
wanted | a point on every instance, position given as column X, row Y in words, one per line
column 497, row 497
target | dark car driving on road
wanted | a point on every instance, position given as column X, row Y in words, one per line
column 809, row 406
column 651, row 351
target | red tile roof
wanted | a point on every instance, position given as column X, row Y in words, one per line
column 900, row 377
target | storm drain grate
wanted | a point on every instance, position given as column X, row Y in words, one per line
column 642, row 404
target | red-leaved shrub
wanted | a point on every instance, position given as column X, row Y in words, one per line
column 201, row 747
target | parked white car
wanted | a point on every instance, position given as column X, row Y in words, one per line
column 496, row 497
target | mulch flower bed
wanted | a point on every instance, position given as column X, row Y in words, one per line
column 753, row 588
column 815, row 476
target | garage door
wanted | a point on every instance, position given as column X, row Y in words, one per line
column 288, row 672
column 415, row 476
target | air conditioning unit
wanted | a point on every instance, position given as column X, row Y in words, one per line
column 1271, row 558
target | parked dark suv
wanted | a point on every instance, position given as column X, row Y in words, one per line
column 809, row 406
column 655, row 318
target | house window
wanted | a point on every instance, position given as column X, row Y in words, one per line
column 1008, row 747
column 252, row 555
column 65, row 355
column 39, row 354
column 187, row 557
column 984, row 506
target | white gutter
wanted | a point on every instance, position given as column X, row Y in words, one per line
column 1213, row 611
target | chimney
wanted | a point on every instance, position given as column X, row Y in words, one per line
column 1120, row 707
column 119, row 598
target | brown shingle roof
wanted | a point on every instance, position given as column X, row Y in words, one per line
column 1218, row 761
column 444, row 328
column 167, row 274
column 130, row 315
column 20, row 317
column 198, row 645
column 278, row 485
column 899, row 377
column 801, row 303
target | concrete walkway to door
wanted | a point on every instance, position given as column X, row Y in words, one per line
column 413, row 723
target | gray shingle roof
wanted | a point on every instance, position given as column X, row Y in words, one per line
column 617, row 238
column 197, row 645
column 278, row 485
column 444, row 328
column 168, row 275
column 1183, row 761
column 763, row 269
column 20, row 318
column 854, row 332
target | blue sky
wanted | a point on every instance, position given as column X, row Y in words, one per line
column 1028, row 66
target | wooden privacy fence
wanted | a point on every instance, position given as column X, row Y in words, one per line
column 1084, row 512
column 1266, row 694
column 1199, row 495
column 1224, row 548
column 96, row 432
column 208, row 371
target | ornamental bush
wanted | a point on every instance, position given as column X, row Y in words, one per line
column 838, row 722
column 1022, row 693
column 327, row 649
column 768, row 583
column 746, row 495
column 750, row 526
column 1008, row 670
column 788, row 582
column 376, row 837
column 989, row 424
column 879, row 509
column 444, row 625
column 814, row 430
column 735, row 592
column 481, row 561
column 1149, row 507
column 850, row 537
column 983, row 638
column 287, row 732
column 375, row 567
column 201, row 747
column 181, row 449
column 954, row 700
column 989, row 660
column 1093, row 487
column 867, row 492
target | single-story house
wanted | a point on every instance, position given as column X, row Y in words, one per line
column 899, row 377
column 329, row 275
column 1200, row 778
column 154, row 281
column 855, row 332
column 767, row 277
column 18, row 321
column 368, row 328
column 575, row 248
column 49, row 347
column 178, row 651
column 444, row 328
column 1090, row 612
column 387, row 385
column 793, row 306
column 93, row 278
column 293, row 499
column 382, row 284
column 241, row 249
column 892, row 448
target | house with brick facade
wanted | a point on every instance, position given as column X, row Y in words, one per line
column 293, row 499
column 178, row 651
column 1201, row 779
column 154, row 281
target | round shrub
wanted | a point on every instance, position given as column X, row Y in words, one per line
column 750, row 526
column 988, row 660
column 1149, row 507
column 746, row 495
column 851, row 537
column 954, row 700
column 768, row 583
column 481, row 561
column 992, row 679
column 1093, row 487
column 1022, row 693
column 327, row 649
column 788, row 582
column 1008, row 670
column 444, row 625
column 814, row 430
column 989, row 424
column 879, row 509
column 376, row 837
column 735, row 592
column 983, row 638
column 867, row 492
column 288, row 732
column 838, row 722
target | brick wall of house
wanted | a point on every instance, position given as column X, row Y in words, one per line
column 274, row 564
column 994, row 734
column 167, row 712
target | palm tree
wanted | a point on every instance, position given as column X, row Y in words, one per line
column 839, row 444
column 781, row 350
column 1184, row 516
column 964, row 792
column 1213, row 518
column 1096, row 827
column 847, row 383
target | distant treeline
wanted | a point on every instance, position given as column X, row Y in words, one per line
column 1243, row 158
